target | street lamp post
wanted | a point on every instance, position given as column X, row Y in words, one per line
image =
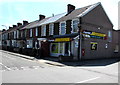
column 79, row 39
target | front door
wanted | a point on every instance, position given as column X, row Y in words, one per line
column 74, row 48
column 62, row 48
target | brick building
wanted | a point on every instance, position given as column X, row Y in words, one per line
column 83, row 33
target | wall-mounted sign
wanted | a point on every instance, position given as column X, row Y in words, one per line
column 62, row 39
column 96, row 35
column 93, row 45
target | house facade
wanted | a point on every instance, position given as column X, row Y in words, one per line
column 78, row 34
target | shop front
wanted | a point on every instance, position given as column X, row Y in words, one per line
column 63, row 45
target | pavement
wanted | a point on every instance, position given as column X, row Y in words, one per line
column 20, row 55
column 51, row 61
column 54, row 61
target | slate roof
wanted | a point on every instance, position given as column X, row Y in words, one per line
column 78, row 12
column 44, row 21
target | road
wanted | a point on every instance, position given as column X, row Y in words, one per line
column 20, row 70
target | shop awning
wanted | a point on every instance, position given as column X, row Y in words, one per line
column 66, row 35
column 63, row 38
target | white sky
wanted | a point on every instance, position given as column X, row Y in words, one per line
column 14, row 11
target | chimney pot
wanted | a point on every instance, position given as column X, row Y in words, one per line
column 41, row 17
column 70, row 8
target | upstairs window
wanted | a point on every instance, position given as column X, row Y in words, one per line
column 36, row 31
column 14, row 34
column 30, row 32
column 43, row 31
column 17, row 34
column 75, row 25
column 51, row 27
column 109, row 36
column 62, row 28
column 21, row 34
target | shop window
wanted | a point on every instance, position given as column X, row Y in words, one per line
column 54, row 47
column 62, row 28
column 51, row 29
column 75, row 25
column 43, row 31
column 61, row 48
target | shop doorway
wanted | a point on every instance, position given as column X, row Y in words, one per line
column 65, row 49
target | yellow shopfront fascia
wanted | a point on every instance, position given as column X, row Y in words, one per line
column 62, row 39
column 98, row 34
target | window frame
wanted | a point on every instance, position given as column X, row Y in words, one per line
column 36, row 31
column 43, row 30
column 109, row 36
column 51, row 29
column 60, row 28
column 29, row 43
column 31, row 32
column 73, row 24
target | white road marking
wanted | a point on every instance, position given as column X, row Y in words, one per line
column 6, row 67
column 88, row 80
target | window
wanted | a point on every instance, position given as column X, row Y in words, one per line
column 62, row 28
column 109, row 36
column 36, row 31
column 75, row 25
column 21, row 34
column 25, row 33
column 51, row 27
column 29, row 44
column 43, row 31
column 116, row 50
column 30, row 32
column 17, row 34
column 14, row 34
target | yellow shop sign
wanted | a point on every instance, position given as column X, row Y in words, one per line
column 62, row 39
column 98, row 34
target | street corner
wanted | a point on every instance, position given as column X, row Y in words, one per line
column 51, row 63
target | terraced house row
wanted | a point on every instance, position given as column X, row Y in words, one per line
column 83, row 33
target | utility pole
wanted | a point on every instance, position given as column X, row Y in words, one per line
column 79, row 39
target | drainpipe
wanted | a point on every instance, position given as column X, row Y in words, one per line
column 79, row 39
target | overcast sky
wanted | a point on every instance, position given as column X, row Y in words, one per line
column 14, row 11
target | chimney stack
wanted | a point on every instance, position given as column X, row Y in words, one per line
column 19, row 24
column 41, row 17
column 70, row 8
column 3, row 30
column 25, row 22
column 14, row 26
column 10, row 27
